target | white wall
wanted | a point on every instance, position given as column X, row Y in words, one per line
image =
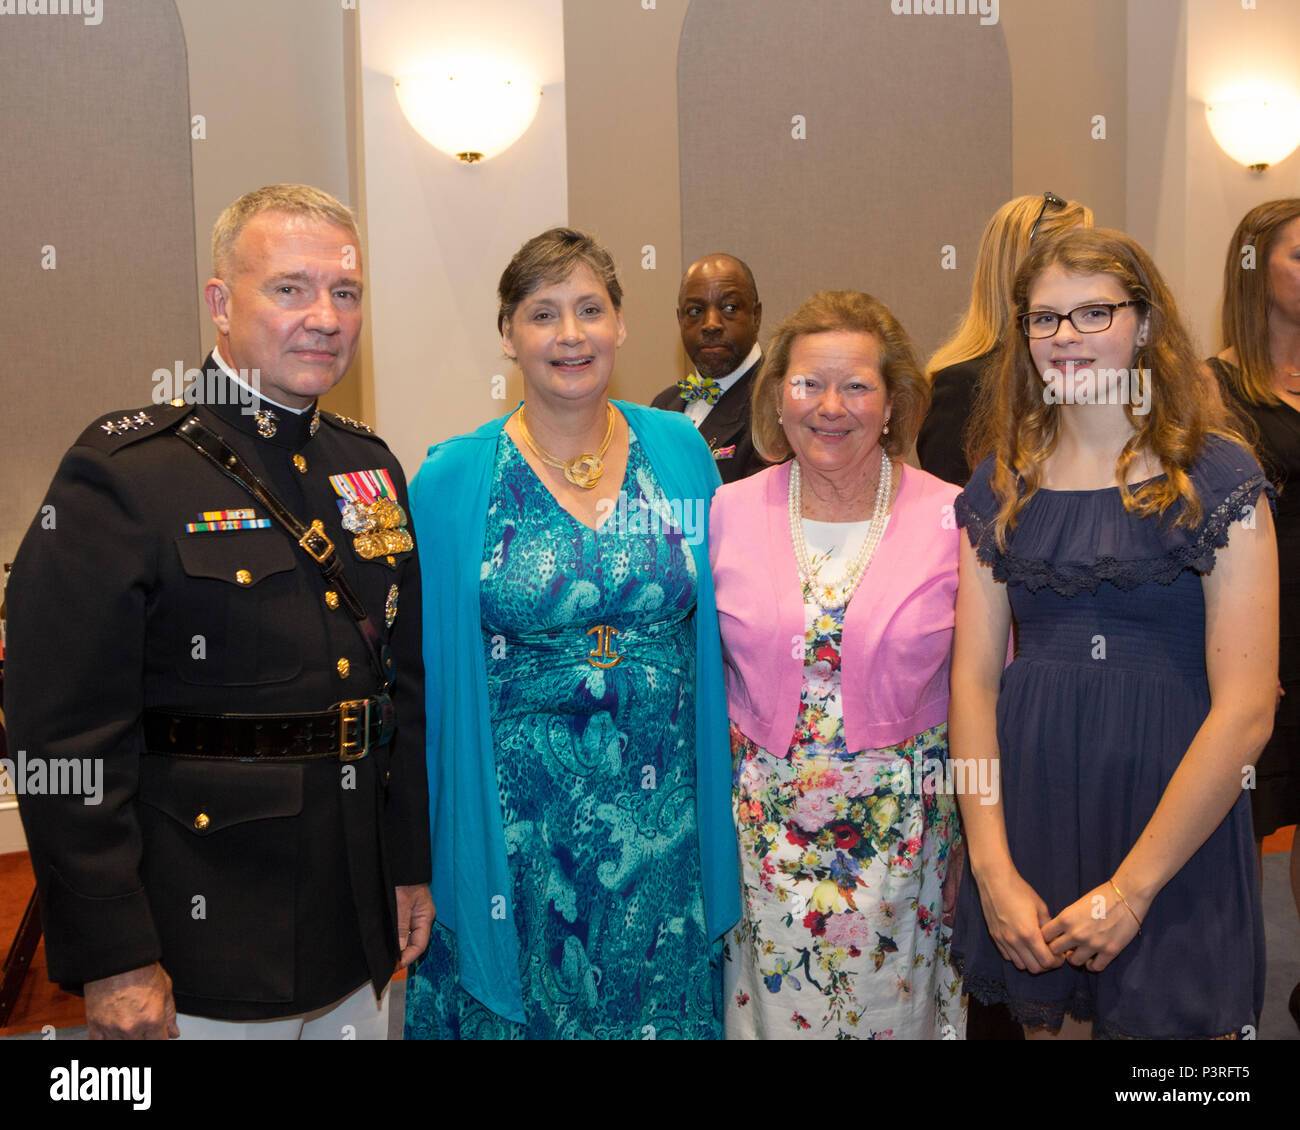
column 439, row 233
column 1226, row 45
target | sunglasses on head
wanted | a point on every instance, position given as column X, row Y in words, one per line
column 1048, row 198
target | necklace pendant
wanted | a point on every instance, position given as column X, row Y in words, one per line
column 585, row 471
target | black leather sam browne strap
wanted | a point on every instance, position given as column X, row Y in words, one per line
column 312, row 540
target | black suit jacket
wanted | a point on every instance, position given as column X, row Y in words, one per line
column 726, row 427
column 281, row 901
column 941, row 442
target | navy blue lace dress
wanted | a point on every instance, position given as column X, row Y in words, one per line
column 1107, row 690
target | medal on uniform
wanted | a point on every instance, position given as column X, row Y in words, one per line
column 220, row 521
column 371, row 513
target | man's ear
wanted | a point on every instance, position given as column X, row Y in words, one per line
column 758, row 315
column 217, row 295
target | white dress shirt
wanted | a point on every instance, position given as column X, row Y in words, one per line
column 698, row 409
column 225, row 368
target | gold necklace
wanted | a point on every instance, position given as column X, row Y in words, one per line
column 584, row 470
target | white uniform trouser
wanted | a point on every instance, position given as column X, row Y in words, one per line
column 358, row 1016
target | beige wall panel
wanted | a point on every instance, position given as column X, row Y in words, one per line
column 97, row 126
column 908, row 149
column 1068, row 67
column 270, row 82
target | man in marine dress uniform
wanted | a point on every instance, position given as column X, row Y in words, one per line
column 719, row 314
column 245, row 667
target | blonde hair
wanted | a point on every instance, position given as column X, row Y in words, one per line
column 293, row 199
column 1246, row 299
column 849, row 311
column 1003, row 247
column 1016, row 424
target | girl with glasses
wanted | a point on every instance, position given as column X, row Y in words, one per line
column 1111, row 888
column 959, row 365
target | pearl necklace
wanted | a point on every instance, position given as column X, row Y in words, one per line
column 840, row 595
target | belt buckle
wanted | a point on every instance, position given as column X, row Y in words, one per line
column 602, row 655
column 314, row 537
column 348, row 747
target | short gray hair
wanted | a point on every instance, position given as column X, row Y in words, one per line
column 293, row 199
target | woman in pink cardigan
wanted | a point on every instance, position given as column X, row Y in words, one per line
column 836, row 577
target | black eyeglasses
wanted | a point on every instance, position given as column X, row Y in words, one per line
column 1090, row 319
column 1048, row 198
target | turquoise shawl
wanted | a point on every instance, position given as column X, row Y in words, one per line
column 471, row 881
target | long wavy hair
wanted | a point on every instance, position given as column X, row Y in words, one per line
column 1016, row 424
column 1003, row 247
column 1247, row 299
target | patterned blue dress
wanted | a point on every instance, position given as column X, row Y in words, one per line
column 596, row 771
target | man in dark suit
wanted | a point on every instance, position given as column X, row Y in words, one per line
column 719, row 314
column 205, row 614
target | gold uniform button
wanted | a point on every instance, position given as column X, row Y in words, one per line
column 201, row 821
column 244, row 577
column 344, row 668
column 392, row 561
column 300, row 462
column 178, row 403
column 331, row 600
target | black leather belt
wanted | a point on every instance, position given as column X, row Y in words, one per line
column 347, row 732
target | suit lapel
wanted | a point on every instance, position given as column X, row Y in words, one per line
column 729, row 416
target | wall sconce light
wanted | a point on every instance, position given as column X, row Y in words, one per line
column 1256, row 131
column 471, row 113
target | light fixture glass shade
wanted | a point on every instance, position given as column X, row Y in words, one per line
column 1256, row 131
column 472, row 114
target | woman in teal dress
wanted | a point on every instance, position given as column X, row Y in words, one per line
column 584, row 858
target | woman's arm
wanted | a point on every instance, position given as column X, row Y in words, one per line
column 1012, row 909
column 1241, row 654
column 1241, row 646
column 978, row 655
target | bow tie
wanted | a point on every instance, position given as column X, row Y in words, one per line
column 695, row 387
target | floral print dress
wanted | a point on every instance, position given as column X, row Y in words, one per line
column 842, row 862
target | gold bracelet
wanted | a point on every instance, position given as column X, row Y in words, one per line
column 1126, row 905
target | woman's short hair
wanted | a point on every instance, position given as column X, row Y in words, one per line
column 848, row 311
column 1246, row 297
column 291, row 199
column 550, row 258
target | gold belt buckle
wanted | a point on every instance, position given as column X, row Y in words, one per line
column 601, row 656
column 348, row 746
column 314, row 537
